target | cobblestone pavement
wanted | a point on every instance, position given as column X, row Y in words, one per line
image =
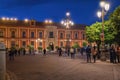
column 53, row 67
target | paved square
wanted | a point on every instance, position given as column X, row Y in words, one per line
column 52, row 67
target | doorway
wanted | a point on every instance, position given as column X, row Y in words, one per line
column 51, row 45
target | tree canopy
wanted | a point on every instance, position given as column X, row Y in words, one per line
column 115, row 22
column 93, row 32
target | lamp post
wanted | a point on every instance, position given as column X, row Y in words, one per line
column 67, row 22
column 101, row 14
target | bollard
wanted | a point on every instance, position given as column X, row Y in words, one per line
column 2, row 61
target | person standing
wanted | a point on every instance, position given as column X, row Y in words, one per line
column 68, row 51
column 24, row 51
column 60, row 52
column 118, row 54
column 72, row 53
column 94, row 53
column 112, row 54
column 11, row 54
column 44, row 51
column 88, row 53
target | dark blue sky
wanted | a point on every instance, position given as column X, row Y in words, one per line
column 82, row 11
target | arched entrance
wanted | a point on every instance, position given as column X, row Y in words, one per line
column 51, row 45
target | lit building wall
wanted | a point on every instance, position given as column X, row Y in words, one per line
column 39, row 35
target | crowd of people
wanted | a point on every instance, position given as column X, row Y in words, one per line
column 91, row 53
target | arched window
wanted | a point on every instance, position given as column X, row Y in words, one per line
column 13, row 34
column 23, row 34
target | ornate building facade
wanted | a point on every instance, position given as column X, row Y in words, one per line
column 39, row 34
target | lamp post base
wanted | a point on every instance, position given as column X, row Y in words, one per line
column 103, row 54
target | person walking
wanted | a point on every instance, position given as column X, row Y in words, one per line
column 88, row 54
column 94, row 53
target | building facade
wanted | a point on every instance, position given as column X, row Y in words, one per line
column 40, row 34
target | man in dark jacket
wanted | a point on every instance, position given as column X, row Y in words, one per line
column 88, row 53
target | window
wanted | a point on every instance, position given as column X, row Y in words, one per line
column 68, row 35
column 13, row 34
column 32, row 43
column 32, row 34
column 61, row 35
column 51, row 35
column 83, row 36
column 1, row 33
column 24, row 43
column 40, row 44
column 40, row 35
column 76, row 35
column 24, row 34
column 12, row 43
column 61, row 44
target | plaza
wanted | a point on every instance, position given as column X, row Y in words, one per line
column 59, row 40
column 53, row 67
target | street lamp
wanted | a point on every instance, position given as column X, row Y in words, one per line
column 101, row 14
column 67, row 22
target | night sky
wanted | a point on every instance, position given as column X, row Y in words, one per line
column 82, row 11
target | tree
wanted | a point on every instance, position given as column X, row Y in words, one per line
column 93, row 33
column 76, row 45
column 84, row 44
column 40, row 48
column 115, row 22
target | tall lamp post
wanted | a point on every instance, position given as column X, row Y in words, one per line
column 67, row 22
column 101, row 14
